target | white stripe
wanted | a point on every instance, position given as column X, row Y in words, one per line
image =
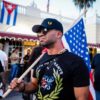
column 65, row 43
column 5, row 16
column 12, row 17
column 92, row 91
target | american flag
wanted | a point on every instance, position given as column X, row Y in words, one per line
column 75, row 39
column 8, row 13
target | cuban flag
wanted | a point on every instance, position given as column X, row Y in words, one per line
column 8, row 13
column 75, row 40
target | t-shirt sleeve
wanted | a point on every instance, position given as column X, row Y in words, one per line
column 35, row 74
column 80, row 74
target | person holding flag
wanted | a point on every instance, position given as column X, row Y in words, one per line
column 60, row 74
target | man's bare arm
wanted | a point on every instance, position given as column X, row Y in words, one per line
column 31, row 85
column 81, row 93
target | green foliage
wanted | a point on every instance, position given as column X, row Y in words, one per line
column 54, row 94
column 84, row 3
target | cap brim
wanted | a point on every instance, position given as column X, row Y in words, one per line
column 37, row 28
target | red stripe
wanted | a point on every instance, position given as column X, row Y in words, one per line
column 90, row 96
column 90, row 92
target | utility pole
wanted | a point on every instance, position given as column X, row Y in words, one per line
column 48, row 4
column 85, row 7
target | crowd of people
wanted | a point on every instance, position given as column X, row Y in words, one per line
column 59, row 75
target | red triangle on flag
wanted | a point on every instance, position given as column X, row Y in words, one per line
column 9, row 6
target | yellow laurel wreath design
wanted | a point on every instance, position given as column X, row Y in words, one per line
column 54, row 94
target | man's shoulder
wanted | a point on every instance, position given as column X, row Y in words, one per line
column 72, row 56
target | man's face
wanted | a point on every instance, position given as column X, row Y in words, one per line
column 48, row 39
column 28, row 51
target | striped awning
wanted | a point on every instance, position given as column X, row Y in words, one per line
column 17, row 36
column 96, row 45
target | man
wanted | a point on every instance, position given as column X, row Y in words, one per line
column 59, row 75
column 25, row 67
column 26, row 59
column 3, row 58
column 3, row 64
column 96, row 74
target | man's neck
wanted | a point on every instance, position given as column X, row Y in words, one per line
column 57, row 49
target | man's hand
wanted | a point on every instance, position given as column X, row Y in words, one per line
column 16, row 84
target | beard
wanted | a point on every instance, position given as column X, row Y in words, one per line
column 48, row 44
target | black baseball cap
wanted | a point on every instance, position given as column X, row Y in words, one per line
column 48, row 24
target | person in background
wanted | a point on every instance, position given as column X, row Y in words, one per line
column 26, row 59
column 96, row 74
column 36, row 52
column 59, row 75
column 30, row 58
column 3, row 58
column 3, row 65
column 14, row 58
column 24, row 68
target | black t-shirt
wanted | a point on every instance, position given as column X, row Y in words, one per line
column 26, row 58
column 58, row 74
column 35, row 54
column 96, row 67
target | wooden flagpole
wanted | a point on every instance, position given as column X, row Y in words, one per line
column 25, row 73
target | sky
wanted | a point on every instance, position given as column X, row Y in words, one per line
column 61, row 7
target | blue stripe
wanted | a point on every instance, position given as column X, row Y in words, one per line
column 15, row 15
column 8, row 19
column 2, row 14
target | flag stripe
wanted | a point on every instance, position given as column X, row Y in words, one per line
column 92, row 91
column 65, row 43
column 2, row 13
column 5, row 17
column 15, row 16
column 8, row 19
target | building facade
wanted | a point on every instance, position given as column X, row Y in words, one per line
column 21, row 34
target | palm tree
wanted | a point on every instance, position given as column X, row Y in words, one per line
column 84, row 4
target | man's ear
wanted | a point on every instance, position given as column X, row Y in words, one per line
column 59, row 34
